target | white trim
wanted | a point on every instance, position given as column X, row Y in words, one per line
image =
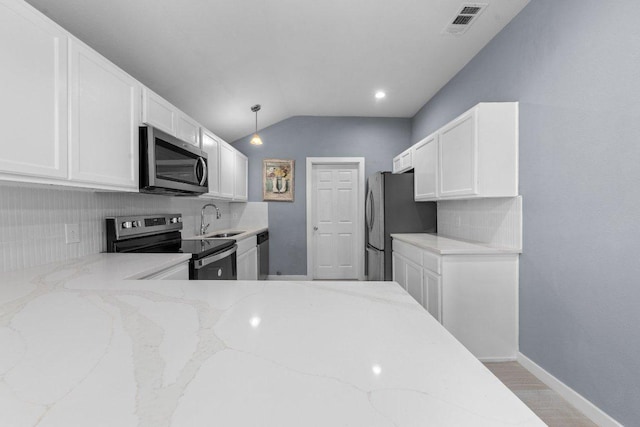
column 359, row 161
column 298, row 278
column 589, row 410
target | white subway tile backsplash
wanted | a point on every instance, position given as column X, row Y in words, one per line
column 249, row 215
column 32, row 220
column 493, row 221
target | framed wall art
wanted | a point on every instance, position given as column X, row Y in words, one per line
column 277, row 180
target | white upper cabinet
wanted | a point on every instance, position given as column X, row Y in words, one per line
column 105, row 112
column 227, row 170
column 158, row 112
column 478, row 153
column 33, row 104
column 403, row 161
column 425, row 168
column 475, row 155
column 241, row 170
column 188, row 129
column 458, row 157
column 211, row 146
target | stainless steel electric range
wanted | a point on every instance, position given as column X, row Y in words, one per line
column 210, row 259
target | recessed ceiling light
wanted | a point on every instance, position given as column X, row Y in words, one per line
column 380, row 94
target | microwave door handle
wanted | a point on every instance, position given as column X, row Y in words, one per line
column 201, row 180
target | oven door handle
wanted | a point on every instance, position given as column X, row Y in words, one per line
column 198, row 264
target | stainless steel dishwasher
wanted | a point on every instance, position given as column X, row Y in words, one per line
column 263, row 255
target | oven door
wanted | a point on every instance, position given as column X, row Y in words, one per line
column 220, row 266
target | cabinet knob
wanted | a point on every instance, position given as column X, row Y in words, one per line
column 315, row 228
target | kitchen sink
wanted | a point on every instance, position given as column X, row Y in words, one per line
column 229, row 234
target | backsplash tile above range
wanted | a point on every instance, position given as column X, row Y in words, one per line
column 32, row 220
column 493, row 221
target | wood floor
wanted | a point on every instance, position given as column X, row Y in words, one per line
column 546, row 403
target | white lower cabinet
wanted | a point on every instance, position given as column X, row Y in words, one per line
column 247, row 259
column 176, row 272
column 475, row 297
column 432, row 293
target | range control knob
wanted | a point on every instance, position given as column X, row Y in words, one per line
column 173, row 220
column 127, row 224
column 179, row 219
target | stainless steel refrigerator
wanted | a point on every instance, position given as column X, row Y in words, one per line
column 390, row 208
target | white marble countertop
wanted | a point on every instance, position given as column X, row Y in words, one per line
column 80, row 347
column 246, row 232
column 447, row 246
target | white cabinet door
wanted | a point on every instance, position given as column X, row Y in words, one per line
column 425, row 169
column 227, row 170
column 33, row 103
column 414, row 281
column 158, row 112
column 458, row 146
column 188, row 129
column 211, row 146
column 248, row 265
column 432, row 294
column 397, row 164
column 240, row 173
column 403, row 161
column 399, row 270
column 105, row 111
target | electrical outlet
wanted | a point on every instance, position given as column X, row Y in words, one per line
column 72, row 233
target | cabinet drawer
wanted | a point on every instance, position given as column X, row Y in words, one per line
column 431, row 261
column 246, row 244
column 410, row 252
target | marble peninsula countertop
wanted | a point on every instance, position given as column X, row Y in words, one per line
column 80, row 346
column 448, row 246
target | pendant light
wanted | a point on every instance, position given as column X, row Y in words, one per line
column 256, row 138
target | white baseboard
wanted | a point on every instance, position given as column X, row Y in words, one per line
column 302, row 277
column 589, row 410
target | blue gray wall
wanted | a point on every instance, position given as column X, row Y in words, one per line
column 574, row 67
column 378, row 140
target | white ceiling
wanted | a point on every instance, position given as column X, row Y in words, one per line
column 215, row 58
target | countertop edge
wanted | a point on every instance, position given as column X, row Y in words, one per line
column 250, row 232
column 473, row 248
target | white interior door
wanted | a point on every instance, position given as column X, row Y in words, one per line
column 334, row 204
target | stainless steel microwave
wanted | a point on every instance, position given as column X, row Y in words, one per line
column 171, row 166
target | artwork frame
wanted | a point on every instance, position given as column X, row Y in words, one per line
column 278, row 180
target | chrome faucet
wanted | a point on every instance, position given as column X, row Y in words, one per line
column 203, row 228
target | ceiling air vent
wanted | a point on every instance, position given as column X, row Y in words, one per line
column 467, row 15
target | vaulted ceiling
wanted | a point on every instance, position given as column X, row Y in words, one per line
column 215, row 58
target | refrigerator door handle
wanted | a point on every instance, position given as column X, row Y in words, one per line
column 369, row 210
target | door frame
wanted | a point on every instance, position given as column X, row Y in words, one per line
column 359, row 162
